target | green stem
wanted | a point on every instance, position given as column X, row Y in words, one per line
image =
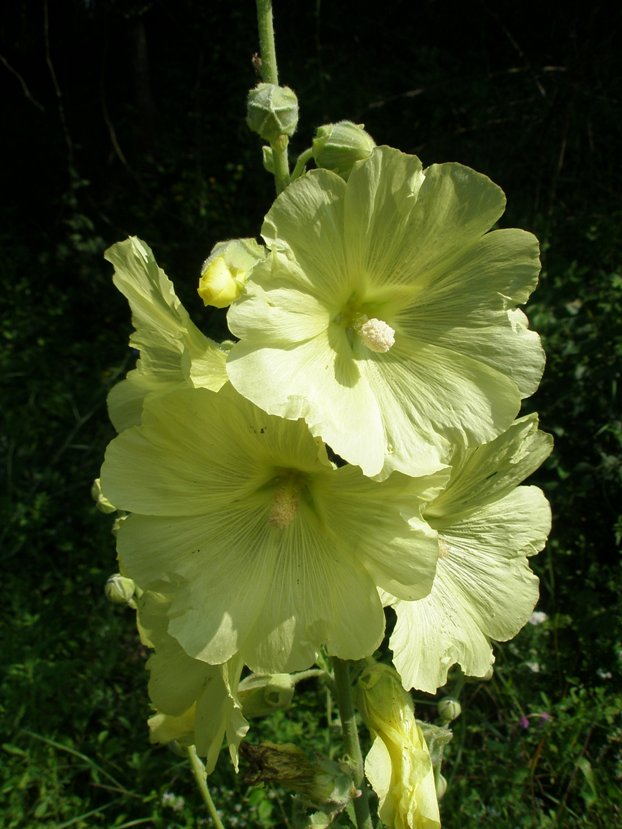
column 270, row 74
column 307, row 155
column 281, row 163
column 309, row 674
column 343, row 693
column 198, row 770
column 267, row 52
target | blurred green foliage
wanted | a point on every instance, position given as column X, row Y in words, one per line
column 129, row 118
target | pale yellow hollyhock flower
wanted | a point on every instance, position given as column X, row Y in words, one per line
column 196, row 704
column 398, row 766
column 267, row 548
column 173, row 353
column 488, row 526
column 386, row 313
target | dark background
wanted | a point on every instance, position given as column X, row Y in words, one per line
column 127, row 117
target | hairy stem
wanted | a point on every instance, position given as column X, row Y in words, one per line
column 267, row 51
column 270, row 74
column 347, row 713
column 198, row 770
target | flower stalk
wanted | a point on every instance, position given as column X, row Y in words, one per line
column 343, row 693
column 270, row 74
column 198, row 770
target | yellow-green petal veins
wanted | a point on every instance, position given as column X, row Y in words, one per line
column 484, row 589
column 389, row 296
column 267, row 548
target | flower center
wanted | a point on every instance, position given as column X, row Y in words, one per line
column 376, row 334
column 285, row 503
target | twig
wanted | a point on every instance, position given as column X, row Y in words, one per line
column 22, row 83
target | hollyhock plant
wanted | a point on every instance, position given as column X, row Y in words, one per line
column 267, row 548
column 386, row 314
column 355, row 449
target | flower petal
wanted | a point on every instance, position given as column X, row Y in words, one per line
column 404, row 252
column 483, row 590
column 168, row 341
column 223, row 494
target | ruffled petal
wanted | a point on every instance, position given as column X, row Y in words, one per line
column 483, row 590
column 223, row 494
column 403, row 253
column 173, row 352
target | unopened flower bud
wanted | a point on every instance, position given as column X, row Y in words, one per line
column 219, row 285
column 101, row 502
column 272, row 111
column 264, row 693
column 399, row 752
column 225, row 271
column 448, row 709
column 339, row 146
column 119, row 589
column 268, row 159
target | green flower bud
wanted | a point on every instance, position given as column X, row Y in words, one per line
column 437, row 737
column 339, row 146
column 101, row 502
column 261, row 694
column 225, row 271
column 119, row 589
column 272, row 111
column 448, row 709
column 268, row 159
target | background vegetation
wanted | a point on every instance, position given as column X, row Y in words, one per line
column 127, row 117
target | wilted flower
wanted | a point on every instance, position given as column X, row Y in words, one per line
column 266, row 547
column 322, row 783
column 484, row 588
column 385, row 314
column 173, row 352
column 398, row 766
